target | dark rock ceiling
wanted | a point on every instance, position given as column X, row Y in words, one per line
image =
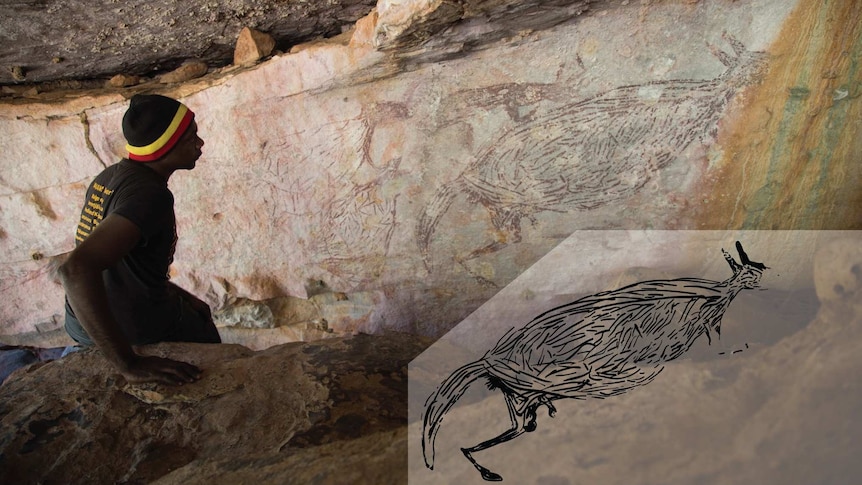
column 81, row 43
column 50, row 40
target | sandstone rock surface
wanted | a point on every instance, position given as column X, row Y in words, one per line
column 123, row 80
column 333, row 411
column 186, row 72
column 415, row 175
column 98, row 40
column 251, row 46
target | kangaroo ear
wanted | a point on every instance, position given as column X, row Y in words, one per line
column 743, row 258
column 722, row 56
column 735, row 44
column 734, row 266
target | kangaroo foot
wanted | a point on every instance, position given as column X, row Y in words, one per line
column 490, row 476
column 487, row 475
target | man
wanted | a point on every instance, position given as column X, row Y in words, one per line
column 116, row 279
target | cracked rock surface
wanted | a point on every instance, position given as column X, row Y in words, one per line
column 73, row 39
column 284, row 415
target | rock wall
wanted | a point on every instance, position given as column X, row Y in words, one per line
column 331, row 411
column 397, row 176
column 75, row 42
column 783, row 410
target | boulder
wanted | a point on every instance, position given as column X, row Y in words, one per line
column 251, row 46
column 187, row 71
column 333, row 411
column 123, row 80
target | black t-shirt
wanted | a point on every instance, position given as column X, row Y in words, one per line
column 137, row 286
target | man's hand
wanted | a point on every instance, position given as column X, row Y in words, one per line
column 157, row 369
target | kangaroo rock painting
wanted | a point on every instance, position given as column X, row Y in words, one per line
column 595, row 347
column 351, row 222
column 590, row 153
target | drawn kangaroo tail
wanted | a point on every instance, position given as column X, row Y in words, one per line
column 442, row 400
column 431, row 217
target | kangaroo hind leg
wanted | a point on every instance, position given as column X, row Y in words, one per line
column 518, row 428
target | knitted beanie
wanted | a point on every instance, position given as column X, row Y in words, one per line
column 153, row 124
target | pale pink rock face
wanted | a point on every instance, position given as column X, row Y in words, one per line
column 319, row 164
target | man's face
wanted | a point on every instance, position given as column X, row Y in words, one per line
column 188, row 148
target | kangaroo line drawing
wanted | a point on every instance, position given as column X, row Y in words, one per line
column 590, row 153
column 595, row 347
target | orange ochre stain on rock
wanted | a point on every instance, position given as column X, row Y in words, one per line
column 792, row 149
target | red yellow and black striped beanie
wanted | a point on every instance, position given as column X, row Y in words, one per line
column 153, row 124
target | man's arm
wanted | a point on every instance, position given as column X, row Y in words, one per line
column 81, row 274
